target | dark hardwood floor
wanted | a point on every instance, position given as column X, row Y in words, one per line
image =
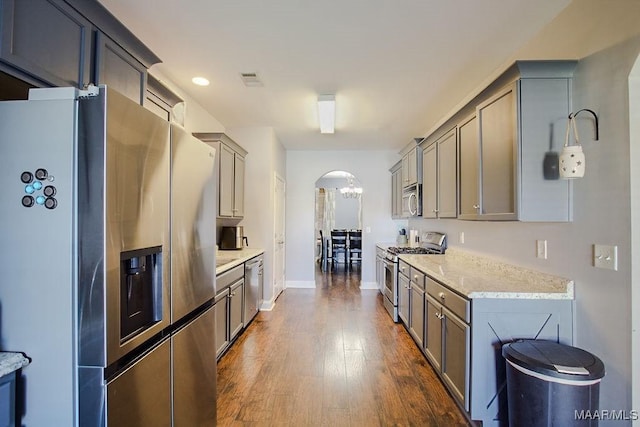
column 330, row 356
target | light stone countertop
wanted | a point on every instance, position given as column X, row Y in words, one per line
column 226, row 260
column 475, row 276
column 11, row 362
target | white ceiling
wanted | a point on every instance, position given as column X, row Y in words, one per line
column 386, row 61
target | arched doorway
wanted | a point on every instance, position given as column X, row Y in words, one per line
column 338, row 206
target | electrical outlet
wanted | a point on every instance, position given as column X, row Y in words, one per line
column 605, row 257
column 367, row 230
column 461, row 237
column 541, row 249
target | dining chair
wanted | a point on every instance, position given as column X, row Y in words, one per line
column 338, row 245
column 355, row 246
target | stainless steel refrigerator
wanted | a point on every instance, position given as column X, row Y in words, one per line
column 86, row 236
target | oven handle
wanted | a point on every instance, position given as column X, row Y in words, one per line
column 388, row 263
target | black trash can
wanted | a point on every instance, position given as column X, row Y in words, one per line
column 551, row 384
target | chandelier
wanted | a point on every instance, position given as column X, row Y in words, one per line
column 351, row 191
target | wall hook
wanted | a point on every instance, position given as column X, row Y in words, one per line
column 595, row 117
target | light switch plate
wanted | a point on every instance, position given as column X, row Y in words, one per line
column 605, row 257
column 541, row 249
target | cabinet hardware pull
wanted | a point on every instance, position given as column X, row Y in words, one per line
column 441, row 295
column 476, row 206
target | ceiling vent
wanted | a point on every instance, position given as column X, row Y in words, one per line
column 251, row 79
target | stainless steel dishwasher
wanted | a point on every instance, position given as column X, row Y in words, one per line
column 254, row 282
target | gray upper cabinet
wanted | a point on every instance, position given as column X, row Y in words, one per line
column 497, row 127
column 469, row 161
column 439, row 178
column 502, row 140
column 72, row 43
column 118, row 69
column 396, row 190
column 231, row 171
column 411, row 166
column 48, row 40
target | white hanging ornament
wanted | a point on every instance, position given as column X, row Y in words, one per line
column 572, row 160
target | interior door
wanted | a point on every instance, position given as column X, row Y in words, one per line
column 279, row 237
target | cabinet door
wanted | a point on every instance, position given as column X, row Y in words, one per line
column 236, row 309
column 433, row 341
column 413, row 166
column 447, row 176
column 119, row 70
column 403, row 298
column 221, row 308
column 238, row 187
column 405, row 170
column 469, row 161
column 394, row 195
column 227, row 181
column 47, row 39
column 497, row 123
column 430, row 182
column 416, row 316
column 455, row 365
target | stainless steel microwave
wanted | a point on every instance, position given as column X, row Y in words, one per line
column 412, row 201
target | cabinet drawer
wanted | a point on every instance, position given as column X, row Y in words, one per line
column 228, row 278
column 417, row 278
column 404, row 268
column 458, row 305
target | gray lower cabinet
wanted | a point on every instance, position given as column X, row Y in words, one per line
column 221, row 308
column 455, row 355
column 236, row 308
column 416, row 311
column 463, row 338
column 8, row 399
column 433, row 341
column 404, row 289
column 229, row 307
column 46, row 39
column 448, row 338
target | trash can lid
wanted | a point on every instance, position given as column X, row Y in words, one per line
column 553, row 359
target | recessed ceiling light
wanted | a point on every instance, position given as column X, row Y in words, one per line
column 200, row 81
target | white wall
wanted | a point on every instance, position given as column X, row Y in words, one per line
column 265, row 157
column 601, row 215
column 196, row 118
column 634, row 124
column 304, row 168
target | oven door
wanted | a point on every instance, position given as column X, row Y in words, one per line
column 390, row 278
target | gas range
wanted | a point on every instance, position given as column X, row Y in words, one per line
column 434, row 244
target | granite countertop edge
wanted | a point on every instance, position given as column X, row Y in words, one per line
column 11, row 362
column 236, row 258
column 474, row 276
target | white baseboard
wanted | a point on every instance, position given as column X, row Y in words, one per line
column 368, row 285
column 300, row 284
column 267, row 305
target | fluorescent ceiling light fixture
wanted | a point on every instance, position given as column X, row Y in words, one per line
column 200, row 81
column 327, row 113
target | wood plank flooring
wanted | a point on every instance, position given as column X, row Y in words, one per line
column 330, row 356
